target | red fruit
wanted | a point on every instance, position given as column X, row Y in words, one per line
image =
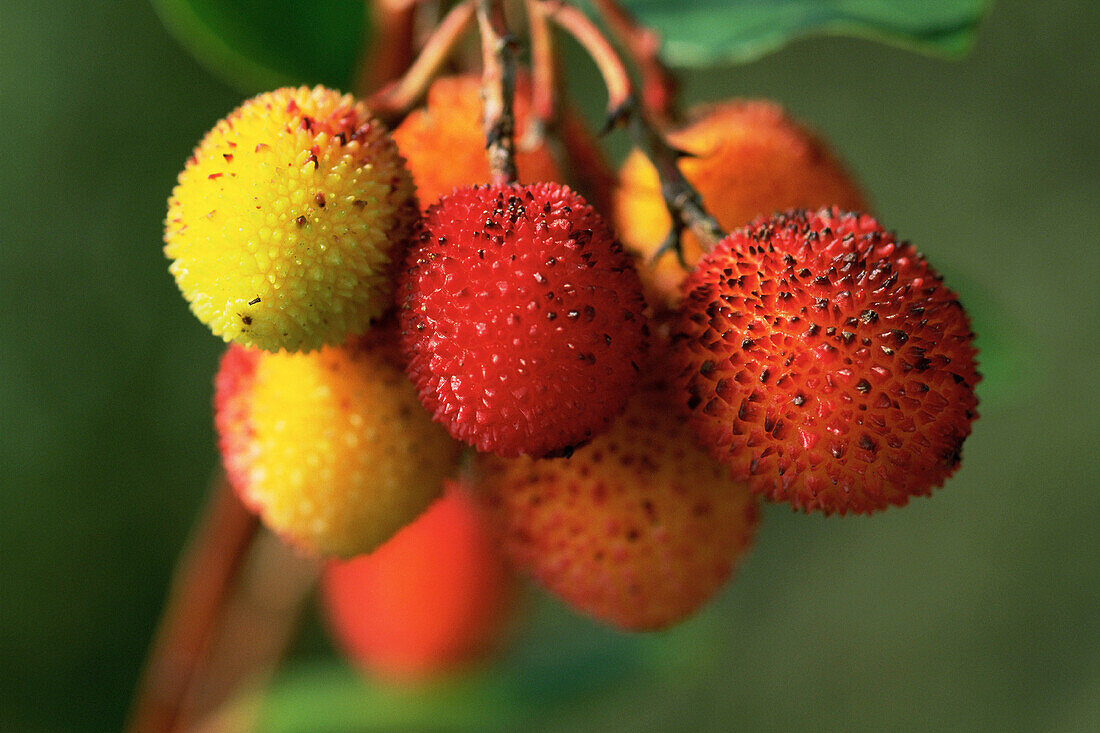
column 521, row 318
column 433, row 597
column 638, row 528
column 826, row 363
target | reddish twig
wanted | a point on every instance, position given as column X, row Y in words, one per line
column 659, row 86
column 258, row 624
column 544, row 77
column 620, row 90
column 684, row 204
column 390, row 50
column 196, row 601
column 498, row 88
column 392, row 102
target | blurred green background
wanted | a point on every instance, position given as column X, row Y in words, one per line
column 975, row 610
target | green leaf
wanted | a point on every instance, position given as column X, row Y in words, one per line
column 709, row 32
column 257, row 45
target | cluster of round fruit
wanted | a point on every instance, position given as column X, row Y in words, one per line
column 626, row 417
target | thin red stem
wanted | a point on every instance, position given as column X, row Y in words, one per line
column 498, row 88
column 196, row 601
column 620, row 90
column 392, row 102
column 257, row 626
column 659, row 86
column 544, row 77
column 684, row 203
column 390, row 50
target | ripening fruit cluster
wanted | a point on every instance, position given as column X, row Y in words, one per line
column 626, row 418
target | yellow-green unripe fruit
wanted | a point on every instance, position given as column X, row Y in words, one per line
column 332, row 448
column 286, row 221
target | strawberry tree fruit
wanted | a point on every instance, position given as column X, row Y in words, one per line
column 331, row 447
column 826, row 363
column 522, row 319
column 287, row 220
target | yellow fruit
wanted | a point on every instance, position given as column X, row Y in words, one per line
column 285, row 222
column 747, row 158
column 331, row 448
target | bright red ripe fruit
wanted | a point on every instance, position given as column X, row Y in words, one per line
column 826, row 363
column 522, row 319
column 433, row 597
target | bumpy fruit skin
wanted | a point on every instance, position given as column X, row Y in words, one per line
column 331, row 448
column 444, row 144
column 436, row 596
column 522, row 319
column 637, row 529
column 826, row 363
column 747, row 159
column 286, row 221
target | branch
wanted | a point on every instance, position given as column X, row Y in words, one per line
column 257, row 627
column 391, row 103
column 390, row 50
column 659, row 86
column 685, row 205
column 498, row 88
column 196, row 602
column 620, row 90
column 544, row 73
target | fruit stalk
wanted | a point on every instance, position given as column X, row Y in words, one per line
column 392, row 102
column 498, row 56
column 685, row 205
column 196, row 602
column 391, row 49
column 257, row 626
column 659, row 86
column 544, row 76
column 620, row 90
